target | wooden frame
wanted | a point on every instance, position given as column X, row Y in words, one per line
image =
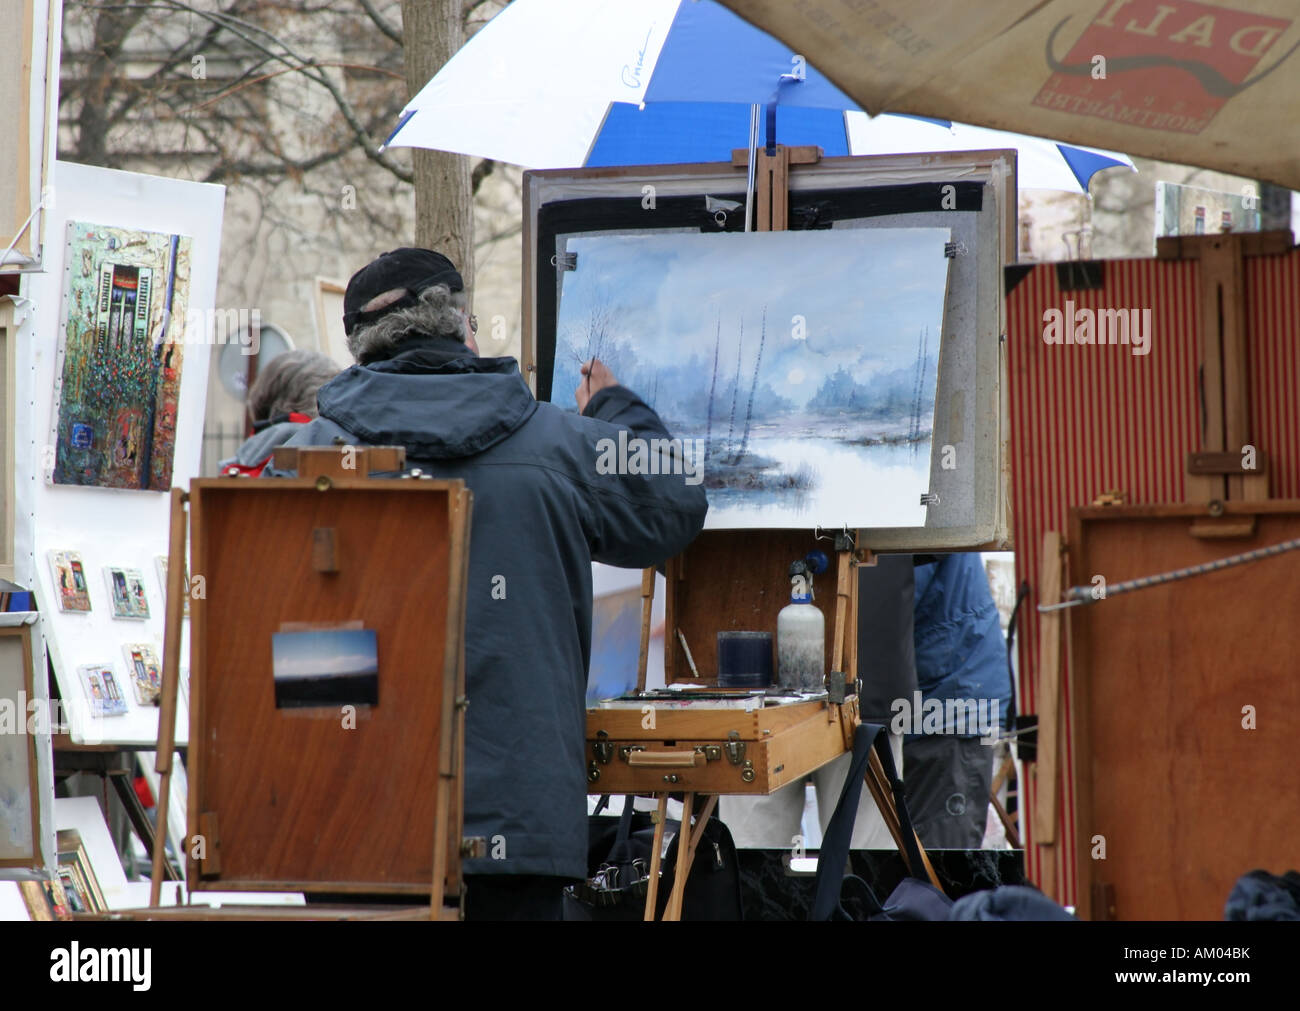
column 8, row 398
column 977, row 422
column 23, row 633
column 82, row 872
column 327, row 842
column 1185, row 797
column 17, row 83
column 324, row 343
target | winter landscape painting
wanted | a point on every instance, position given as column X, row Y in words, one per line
column 799, row 368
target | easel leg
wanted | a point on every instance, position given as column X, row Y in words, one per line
column 673, row 911
column 688, row 842
column 652, row 889
column 647, row 608
column 176, row 594
column 878, row 784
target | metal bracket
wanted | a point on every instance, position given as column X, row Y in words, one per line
column 602, row 748
column 627, row 749
column 747, row 773
column 593, row 772
column 473, row 847
column 735, row 749
column 835, row 686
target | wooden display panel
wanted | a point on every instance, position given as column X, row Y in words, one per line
column 737, row 580
column 291, row 799
column 1186, row 799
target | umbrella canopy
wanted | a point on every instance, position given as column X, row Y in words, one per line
column 1214, row 85
column 568, row 83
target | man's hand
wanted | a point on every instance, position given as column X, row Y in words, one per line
column 596, row 376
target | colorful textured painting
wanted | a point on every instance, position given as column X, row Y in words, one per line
column 69, row 576
column 120, row 352
column 126, row 591
column 145, row 672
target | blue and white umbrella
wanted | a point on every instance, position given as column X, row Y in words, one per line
column 572, row 83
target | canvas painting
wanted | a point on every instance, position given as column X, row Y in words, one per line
column 325, row 667
column 103, row 690
column 798, row 368
column 615, row 644
column 46, row 900
column 69, row 575
column 120, row 356
column 145, row 672
column 18, row 798
column 78, row 876
column 126, row 591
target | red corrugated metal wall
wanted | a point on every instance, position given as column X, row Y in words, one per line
column 1086, row 419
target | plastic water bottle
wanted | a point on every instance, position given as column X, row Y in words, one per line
column 801, row 637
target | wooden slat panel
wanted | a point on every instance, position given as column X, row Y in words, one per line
column 1085, row 420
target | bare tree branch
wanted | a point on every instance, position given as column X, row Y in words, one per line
column 393, row 33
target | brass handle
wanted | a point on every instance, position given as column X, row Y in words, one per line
column 664, row 759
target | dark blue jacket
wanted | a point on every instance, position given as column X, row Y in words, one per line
column 960, row 649
column 541, row 514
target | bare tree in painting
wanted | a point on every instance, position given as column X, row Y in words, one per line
column 713, row 385
column 735, row 389
column 753, row 386
column 914, row 430
column 600, row 323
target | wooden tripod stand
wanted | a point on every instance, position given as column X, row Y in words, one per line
column 787, row 742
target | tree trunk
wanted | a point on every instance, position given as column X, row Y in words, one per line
column 432, row 31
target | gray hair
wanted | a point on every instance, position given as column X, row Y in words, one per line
column 438, row 312
column 289, row 383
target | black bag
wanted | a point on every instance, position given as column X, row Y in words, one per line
column 848, row 897
column 618, row 867
column 713, row 884
column 619, row 861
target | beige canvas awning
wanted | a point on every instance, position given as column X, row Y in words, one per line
column 1213, row 85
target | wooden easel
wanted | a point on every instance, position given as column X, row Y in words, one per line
column 321, row 470
column 841, row 710
column 772, row 213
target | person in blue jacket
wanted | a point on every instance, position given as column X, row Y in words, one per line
column 545, row 506
column 964, row 690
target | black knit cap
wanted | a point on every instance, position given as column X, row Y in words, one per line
column 412, row 269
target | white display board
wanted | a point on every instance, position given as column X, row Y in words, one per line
column 108, row 526
column 85, row 816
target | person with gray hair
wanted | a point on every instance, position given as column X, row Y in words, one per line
column 283, row 398
column 544, row 509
